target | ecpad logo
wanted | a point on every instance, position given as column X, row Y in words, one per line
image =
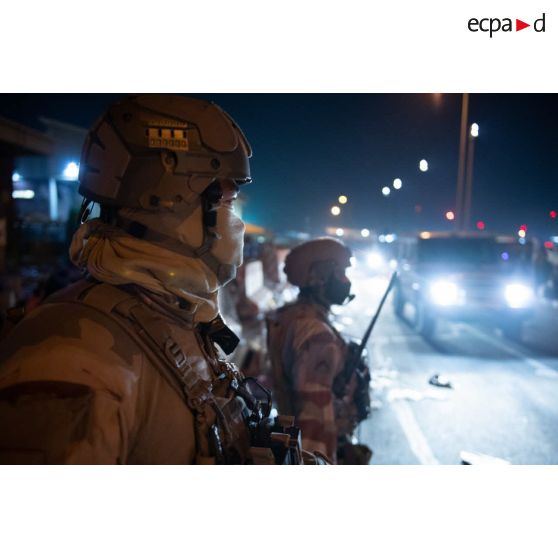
column 493, row 25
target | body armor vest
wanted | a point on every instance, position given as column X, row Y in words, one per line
column 231, row 413
column 281, row 357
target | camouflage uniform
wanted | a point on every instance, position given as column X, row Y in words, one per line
column 86, row 379
column 306, row 354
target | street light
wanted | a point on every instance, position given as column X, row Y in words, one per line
column 423, row 165
column 450, row 215
column 475, row 130
column 335, row 210
column 343, row 199
column 386, row 191
column 16, row 177
column 339, row 232
column 397, row 183
column 365, row 233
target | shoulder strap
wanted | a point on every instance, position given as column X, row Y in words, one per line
column 150, row 334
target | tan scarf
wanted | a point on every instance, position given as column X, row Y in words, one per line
column 114, row 257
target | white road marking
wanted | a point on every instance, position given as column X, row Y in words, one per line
column 540, row 368
column 416, row 439
column 546, row 374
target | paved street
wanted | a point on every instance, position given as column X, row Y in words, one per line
column 504, row 400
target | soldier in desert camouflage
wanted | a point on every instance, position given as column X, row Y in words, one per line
column 307, row 353
column 126, row 365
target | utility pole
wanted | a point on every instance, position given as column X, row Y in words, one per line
column 459, row 199
column 469, row 183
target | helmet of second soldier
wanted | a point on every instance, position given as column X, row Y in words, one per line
column 313, row 263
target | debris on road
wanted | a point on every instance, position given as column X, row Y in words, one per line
column 475, row 458
column 439, row 380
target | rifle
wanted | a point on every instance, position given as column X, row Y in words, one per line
column 353, row 362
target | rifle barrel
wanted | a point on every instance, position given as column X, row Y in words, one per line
column 376, row 315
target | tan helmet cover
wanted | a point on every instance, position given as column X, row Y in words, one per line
column 302, row 259
column 160, row 152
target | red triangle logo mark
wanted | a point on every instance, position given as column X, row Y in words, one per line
column 519, row 25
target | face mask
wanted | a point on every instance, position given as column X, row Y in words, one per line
column 337, row 291
column 229, row 241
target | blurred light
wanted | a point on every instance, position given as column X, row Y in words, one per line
column 480, row 225
column 386, row 191
column 353, row 261
column 554, row 239
column 375, row 260
column 382, row 238
column 393, row 264
column 521, row 233
column 335, row 210
column 553, row 214
column 397, row 183
column 450, row 215
column 505, row 256
column 518, row 295
column 365, row 233
column 474, row 130
column 23, row 194
column 343, row 199
column 523, row 228
column 444, row 293
column 522, row 241
column 549, row 244
column 339, row 232
column 16, row 177
column 71, row 172
column 423, row 165
column 425, row 235
column 390, row 238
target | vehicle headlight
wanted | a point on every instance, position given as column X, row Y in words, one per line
column 444, row 293
column 375, row 260
column 519, row 295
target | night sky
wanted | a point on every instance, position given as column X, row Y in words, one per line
column 309, row 148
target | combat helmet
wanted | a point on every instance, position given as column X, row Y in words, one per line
column 313, row 262
column 151, row 162
column 160, row 152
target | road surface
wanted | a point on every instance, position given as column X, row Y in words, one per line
column 503, row 403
